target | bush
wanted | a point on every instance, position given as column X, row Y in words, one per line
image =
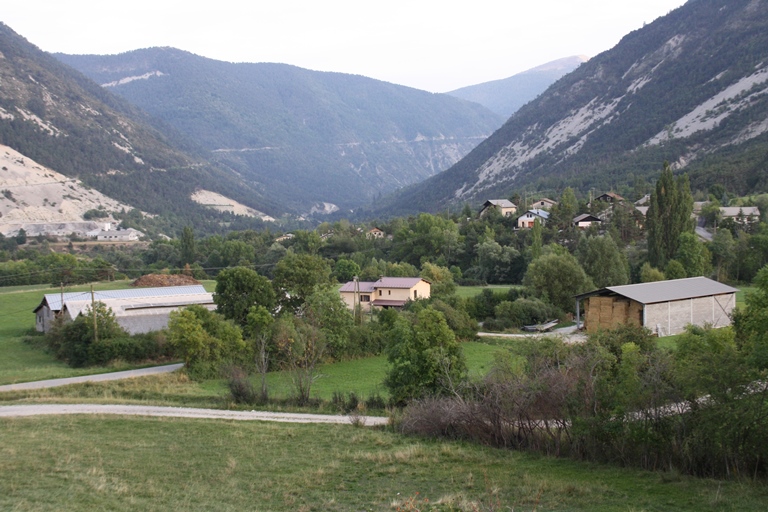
column 524, row 312
column 240, row 387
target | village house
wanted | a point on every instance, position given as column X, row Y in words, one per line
column 137, row 310
column 387, row 292
column 374, row 233
column 527, row 219
column 610, row 197
column 543, row 204
column 664, row 307
column 505, row 207
column 586, row 220
column 741, row 214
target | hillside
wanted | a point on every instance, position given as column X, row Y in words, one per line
column 507, row 95
column 57, row 117
column 690, row 88
column 32, row 194
column 305, row 137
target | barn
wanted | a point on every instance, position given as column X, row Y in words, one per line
column 137, row 310
column 664, row 307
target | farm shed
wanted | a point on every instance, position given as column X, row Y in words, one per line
column 136, row 310
column 664, row 307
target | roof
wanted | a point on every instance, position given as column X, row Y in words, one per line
column 612, row 195
column 586, row 216
column 53, row 300
column 363, row 287
column 733, row 211
column 544, row 214
column 131, row 306
column 501, row 203
column 545, row 200
column 398, row 282
column 664, row 291
column 642, row 209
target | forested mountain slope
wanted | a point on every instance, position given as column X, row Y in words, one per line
column 507, row 95
column 690, row 88
column 59, row 118
column 307, row 137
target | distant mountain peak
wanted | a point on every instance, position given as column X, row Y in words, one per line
column 505, row 96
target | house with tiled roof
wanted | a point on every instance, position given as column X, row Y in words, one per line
column 506, row 207
column 387, row 292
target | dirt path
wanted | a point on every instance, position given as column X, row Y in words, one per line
column 99, row 377
column 10, row 411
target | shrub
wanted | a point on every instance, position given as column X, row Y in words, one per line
column 240, row 387
column 524, row 312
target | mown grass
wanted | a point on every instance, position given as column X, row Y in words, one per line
column 471, row 291
column 114, row 463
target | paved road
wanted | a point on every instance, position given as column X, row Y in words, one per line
column 184, row 412
column 100, row 377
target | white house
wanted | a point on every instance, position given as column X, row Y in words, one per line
column 527, row 219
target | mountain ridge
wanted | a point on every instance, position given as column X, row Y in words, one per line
column 619, row 116
column 305, row 136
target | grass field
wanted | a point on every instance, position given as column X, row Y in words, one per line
column 107, row 463
column 471, row 291
column 104, row 462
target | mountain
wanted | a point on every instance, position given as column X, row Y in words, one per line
column 507, row 95
column 691, row 88
column 63, row 121
column 305, row 137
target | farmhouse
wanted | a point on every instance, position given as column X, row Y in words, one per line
column 387, row 292
column 137, row 310
column 505, row 207
column 664, row 307
column 118, row 235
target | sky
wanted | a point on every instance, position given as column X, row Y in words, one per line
column 432, row 45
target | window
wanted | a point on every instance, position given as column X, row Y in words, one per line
column 365, row 298
column 379, row 293
column 415, row 295
column 389, row 292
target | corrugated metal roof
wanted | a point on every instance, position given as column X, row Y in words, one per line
column 54, row 299
column 734, row 211
column 664, row 291
column 125, row 306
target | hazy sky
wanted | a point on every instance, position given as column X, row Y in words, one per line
column 433, row 45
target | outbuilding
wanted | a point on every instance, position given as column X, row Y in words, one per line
column 137, row 310
column 664, row 307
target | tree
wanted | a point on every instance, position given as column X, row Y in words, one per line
column 187, row 246
column 723, row 250
column 297, row 276
column 440, row 278
column 74, row 341
column 536, row 239
column 326, row 310
column 345, row 270
column 206, row 341
column 675, row 270
column 668, row 216
column 259, row 330
column 693, row 255
column 240, row 288
column 300, row 346
column 557, row 278
column 649, row 274
column 424, row 357
column 602, row 260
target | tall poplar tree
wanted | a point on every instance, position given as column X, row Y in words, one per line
column 669, row 215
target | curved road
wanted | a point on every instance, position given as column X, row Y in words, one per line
column 9, row 411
